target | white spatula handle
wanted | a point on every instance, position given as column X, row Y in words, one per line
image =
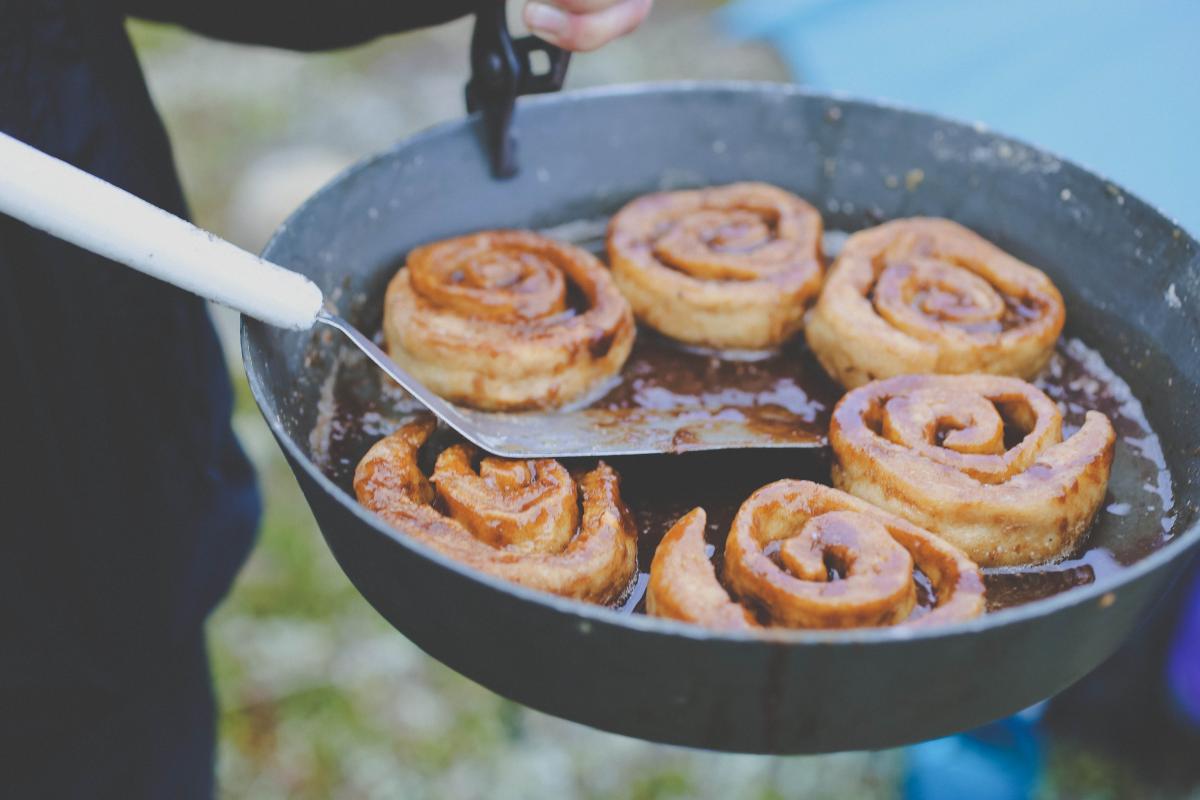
column 67, row 202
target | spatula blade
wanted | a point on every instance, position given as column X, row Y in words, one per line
column 603, row 432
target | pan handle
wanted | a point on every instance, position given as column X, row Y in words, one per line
column 68, row 203
column 501, row 71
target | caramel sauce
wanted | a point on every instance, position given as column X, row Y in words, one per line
column 663, row 375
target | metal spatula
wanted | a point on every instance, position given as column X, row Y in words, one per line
column 66, row 202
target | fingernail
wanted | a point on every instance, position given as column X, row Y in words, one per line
column 545, row 20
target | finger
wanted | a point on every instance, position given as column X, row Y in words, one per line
column 584, row 31
column 582, row 6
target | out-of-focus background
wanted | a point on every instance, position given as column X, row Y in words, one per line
column 319, row 697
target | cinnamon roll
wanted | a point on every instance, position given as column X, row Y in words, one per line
column 802, row 555
column 507, row 320
column 728, row 267
column 978, row 459
column 927, row 295
column 529, row 522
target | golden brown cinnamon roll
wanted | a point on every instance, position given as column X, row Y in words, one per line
column 486, row 320
column 802, row 555
column 516, row 520
column 977, row 459
column 929, row 296
column 731, row 266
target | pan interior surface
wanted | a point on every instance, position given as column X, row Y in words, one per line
column 1130, row 279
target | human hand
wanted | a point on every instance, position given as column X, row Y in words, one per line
column 582, row 25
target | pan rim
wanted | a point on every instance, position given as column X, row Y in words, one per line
column 588, row 614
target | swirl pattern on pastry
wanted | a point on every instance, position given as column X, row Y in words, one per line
column 529, row 522
column 802, row 555
column 728, row 267
column 927, row 295
column 978, row 459
column 486, row 320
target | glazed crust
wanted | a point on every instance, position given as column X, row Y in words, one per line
column 776, row 562
column 726, row 267
column 528, row 522
column 484, row 320
column 683, row 583
column 932, row 449
column 926, row 295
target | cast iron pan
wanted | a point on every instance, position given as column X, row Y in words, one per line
column 583, row 155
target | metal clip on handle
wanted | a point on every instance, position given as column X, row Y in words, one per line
column 501, row 71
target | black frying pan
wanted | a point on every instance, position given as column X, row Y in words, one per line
column 584, row 154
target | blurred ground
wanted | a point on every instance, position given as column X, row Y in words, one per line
column 319, row 697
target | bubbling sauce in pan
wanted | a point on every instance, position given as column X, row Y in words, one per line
column 663, row 375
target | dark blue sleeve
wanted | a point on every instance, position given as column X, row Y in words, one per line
column 318, row 25
column 126, row 504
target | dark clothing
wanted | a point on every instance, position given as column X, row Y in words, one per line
column 127, row 504
column 301, row 24
column 155, row 741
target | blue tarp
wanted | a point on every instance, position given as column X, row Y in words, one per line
column 1112, row 85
